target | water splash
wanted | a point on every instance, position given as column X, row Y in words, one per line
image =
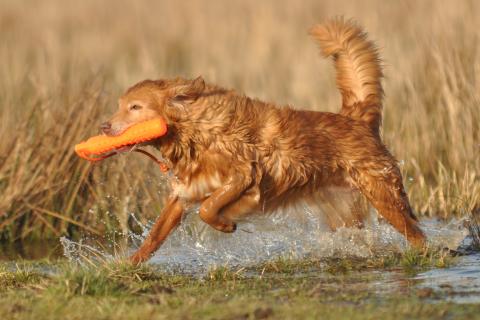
column 299, row 232
column 82, row 252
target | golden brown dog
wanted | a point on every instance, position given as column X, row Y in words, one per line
column 237, row 156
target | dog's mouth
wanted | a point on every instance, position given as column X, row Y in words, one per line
column 104, row 146
column 114, row 132
column 164, row 167
column 126, row 149
column 123, row 149
column 132, row 147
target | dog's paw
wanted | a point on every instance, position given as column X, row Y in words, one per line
column 137, row 258
column 233, row 227
column 229, row 227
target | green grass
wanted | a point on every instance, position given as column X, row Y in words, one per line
column 410, row 260
column 18, row 276
column 287, row 300
column 282, row 289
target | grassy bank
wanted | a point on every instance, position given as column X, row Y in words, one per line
column 279, row 290
column 63, row 67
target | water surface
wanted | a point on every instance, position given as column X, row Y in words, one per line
column 195, row 248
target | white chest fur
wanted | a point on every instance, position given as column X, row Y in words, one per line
column 198, row 187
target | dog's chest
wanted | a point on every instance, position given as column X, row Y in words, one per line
column 197, row 187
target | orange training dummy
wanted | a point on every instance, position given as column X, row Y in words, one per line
column 141, row 132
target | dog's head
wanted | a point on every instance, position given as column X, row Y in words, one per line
column 151, row 99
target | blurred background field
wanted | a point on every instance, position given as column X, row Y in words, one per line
column 63, row 64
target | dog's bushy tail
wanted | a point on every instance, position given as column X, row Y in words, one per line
column 358, row 67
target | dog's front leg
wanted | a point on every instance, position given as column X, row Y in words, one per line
column 169, row 218
column 210, row 210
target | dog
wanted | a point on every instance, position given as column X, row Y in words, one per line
column 237, row 156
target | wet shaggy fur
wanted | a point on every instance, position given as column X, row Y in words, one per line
column 238, row 156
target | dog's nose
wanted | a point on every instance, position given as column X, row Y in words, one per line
column 106, row 126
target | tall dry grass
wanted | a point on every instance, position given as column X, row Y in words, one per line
column 64, row 63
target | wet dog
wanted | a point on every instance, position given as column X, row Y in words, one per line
column 238, row 156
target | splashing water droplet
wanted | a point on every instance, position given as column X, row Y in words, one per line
column 195, row 247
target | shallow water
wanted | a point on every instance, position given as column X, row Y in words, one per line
column 459, row 283
column 194, row 248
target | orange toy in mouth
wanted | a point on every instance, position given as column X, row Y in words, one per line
column 138, row 133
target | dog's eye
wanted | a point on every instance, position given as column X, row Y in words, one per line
column 135, row 107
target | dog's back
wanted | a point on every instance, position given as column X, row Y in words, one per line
column 311, row 153
column 303, row 151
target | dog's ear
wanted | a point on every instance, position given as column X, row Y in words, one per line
column 187, row 93
column 182, row 96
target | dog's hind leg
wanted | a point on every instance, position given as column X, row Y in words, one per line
column 166, row 222
column 380, row 181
